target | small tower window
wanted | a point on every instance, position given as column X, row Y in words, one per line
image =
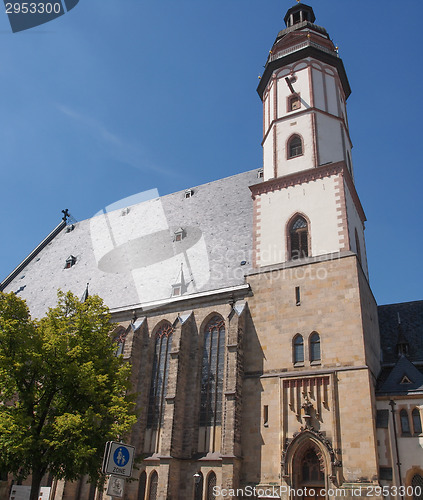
column 417, row 423
column 405, row 424
column 70, row 261
column 349, row 162
column 357, row 246
column 314, row 347
column 294, row 102
column 298, row 349
column 295, row 146
column 298, row 238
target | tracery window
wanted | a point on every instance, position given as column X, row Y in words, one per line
column 120, row 343
column 298, row 238
column 141, row 486
column 212, row 373
column 315, row 347
column 295, row 146
column 298, row 349
column 211, row 483
column 154, row 483
column 405, row 424
column 417, row 423
column 310, row 468
column 159, row 377
column 417, row 484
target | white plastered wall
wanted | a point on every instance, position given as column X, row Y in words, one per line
column 314, row 199
column 410, row 448
column 302, row 126
column 318, row 85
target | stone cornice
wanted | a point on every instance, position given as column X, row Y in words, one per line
column 310, row 175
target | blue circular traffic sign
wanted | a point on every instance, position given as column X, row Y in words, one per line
column 121, row 456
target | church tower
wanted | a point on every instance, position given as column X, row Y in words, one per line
column 312, row 359
column 307, row 162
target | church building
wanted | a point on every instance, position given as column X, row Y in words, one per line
column 263, row 366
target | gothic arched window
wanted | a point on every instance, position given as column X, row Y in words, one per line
column 212, row 373
column 154, row 483
column 315, row 347
column 199, row 484
column 211, row 483
column 295, row 146
column 298, row 349
column 417, row 484
column 158, row 386
column 141, row 486
column 405, row 424
column 417, row 423
column 298, row 238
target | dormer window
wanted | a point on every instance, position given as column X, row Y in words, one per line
column 179, row 234
column 189, row 193
column 260, row 174
column 176, row 290
column 70, row 261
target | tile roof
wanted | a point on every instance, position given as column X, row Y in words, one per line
column 131, row 256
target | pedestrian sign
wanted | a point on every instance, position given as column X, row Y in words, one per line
column 118, row 459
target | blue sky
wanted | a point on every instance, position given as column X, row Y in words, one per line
column 122, row 96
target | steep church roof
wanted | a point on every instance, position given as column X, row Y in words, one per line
column 133, row 256
column 410, row 317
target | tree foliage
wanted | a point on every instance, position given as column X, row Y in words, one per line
column 63, row 391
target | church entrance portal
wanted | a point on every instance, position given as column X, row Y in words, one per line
column 309, row 474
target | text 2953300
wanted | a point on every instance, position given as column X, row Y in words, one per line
column 33, row 8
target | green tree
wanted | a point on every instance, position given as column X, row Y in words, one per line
column 63, row 391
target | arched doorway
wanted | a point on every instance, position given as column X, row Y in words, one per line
column 309, row 472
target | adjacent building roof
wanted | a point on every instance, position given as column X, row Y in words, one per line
column 134, row 255
column 401, row 339
column 403, row 378
column 404, row 320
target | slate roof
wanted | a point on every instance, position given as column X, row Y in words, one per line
column 411, row 318
column 131, row 257
column 390, row 381
column 401, row 323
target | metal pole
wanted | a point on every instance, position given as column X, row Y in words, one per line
column 392, row 404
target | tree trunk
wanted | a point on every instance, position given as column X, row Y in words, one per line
column 37, row 475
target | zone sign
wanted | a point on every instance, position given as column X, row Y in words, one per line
column 118, row 459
